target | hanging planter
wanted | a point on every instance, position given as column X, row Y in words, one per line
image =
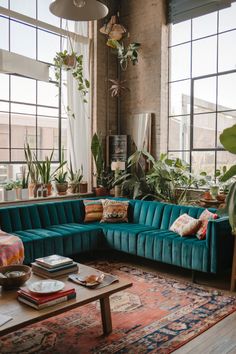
column 125, row 54
column 71, row 62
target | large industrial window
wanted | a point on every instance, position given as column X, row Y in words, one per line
column 202, row 86
column 30, row 110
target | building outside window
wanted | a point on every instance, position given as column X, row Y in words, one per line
column 202, row 86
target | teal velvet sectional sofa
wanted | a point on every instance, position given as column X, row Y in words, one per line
column 49, row 228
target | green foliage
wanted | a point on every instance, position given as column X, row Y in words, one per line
column 228, row 140
column 61, row 176
column 9, row 186
column 25, row 178
column 97, row 152
column 32, row 168
column 125, row 54
column 74, row 63
column 44, row 168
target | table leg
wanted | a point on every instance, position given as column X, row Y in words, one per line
column 106, row 315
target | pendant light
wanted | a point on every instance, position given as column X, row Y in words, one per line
column 79, row 10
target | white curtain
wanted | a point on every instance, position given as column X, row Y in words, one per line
column 79, row 126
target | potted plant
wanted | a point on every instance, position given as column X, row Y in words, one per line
column 75, row 178
column 61, row 182
column 45, row 172
column 33, row 172
column 101, row 179
column 125, row 54
column 9, row 193
column 74, row 63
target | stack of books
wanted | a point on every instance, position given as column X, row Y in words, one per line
column 54, row 266
column 40, row 302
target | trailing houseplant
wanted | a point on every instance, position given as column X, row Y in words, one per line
column 125, row 54
column 72, row 62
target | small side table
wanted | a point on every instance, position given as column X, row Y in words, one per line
column 233, row 274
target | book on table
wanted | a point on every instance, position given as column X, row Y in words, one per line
column 54, row 272
column 42, row 301
column 53, row 261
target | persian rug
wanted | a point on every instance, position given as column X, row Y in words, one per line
column 156, row 315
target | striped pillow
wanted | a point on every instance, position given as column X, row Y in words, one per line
column 93, row 210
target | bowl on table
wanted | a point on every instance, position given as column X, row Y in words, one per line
column 13, row 276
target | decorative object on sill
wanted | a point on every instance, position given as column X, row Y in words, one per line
column 79, row 10
column 125, row 54
column 113, row 29
column 71, row 62
column 118, row 88
column 83, row 187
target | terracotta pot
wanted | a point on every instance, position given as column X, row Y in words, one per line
column 101, row 191
column 49, row 188
column 207, row 196
column 31, row 189
column 62, row 188
column 83, row 187
column 70, row 60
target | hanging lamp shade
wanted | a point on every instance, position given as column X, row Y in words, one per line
column 79, row 10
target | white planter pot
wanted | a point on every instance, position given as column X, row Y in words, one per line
column 18, row 193
column 25, row 194
column 9, row 196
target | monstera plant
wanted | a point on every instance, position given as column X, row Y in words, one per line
column 228, row 140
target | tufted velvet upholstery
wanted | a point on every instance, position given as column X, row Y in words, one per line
column 48, row 228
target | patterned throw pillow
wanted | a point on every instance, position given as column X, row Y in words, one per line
column 205, row 216
column 185, row 225
column 93, row 210
column 114, row 211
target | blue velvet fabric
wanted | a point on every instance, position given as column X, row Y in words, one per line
column 48, row 228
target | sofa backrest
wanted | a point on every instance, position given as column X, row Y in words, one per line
column 41, row 215
column 159, row 215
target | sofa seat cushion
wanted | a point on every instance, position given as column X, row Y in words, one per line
column 168, row 247
column 123, row 237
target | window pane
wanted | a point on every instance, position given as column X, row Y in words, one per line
column 203, row 161
column 18, row 155
column 226, row 92
column 23, row 130
column 18, row 94
column 25, row 7
column 4, row 30
column 42, row 154
column 180, row 32
column 64, row 133
column 44, row 111
column 4, row 156
column 48, row 133
column 179, row 97
column 204, row 56
column 27, row 46
column 45, row 15
column 23, row 108
column 227, row 18
column 48, row 45
column 183, row 155
column 180, row 62
column 204, row 126
column 4, row 106
column 4, row 87
column 224, row 120
column 179, row 133
column 225, row 158
column 48, row 94
column 205, row 25
column 4, row 130
column 205, row 95
column 227, row 51
column 4, row 3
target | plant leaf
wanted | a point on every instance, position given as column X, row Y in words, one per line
column 228, row 139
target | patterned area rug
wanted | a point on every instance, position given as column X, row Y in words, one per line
column 156, row 315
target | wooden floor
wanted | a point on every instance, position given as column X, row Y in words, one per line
column 219, row 339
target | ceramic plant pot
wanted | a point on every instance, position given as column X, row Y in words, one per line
column 62, row 188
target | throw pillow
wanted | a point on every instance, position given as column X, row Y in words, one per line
column 93, row 210
column 185, row 225
column 205, row 216
column 114, row 211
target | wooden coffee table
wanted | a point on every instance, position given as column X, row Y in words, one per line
column 24, row 315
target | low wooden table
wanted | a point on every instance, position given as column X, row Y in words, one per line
column 24, row 315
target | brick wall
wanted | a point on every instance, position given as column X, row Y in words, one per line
column 147, row 80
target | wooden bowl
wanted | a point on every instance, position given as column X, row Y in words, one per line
column 15, row 281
